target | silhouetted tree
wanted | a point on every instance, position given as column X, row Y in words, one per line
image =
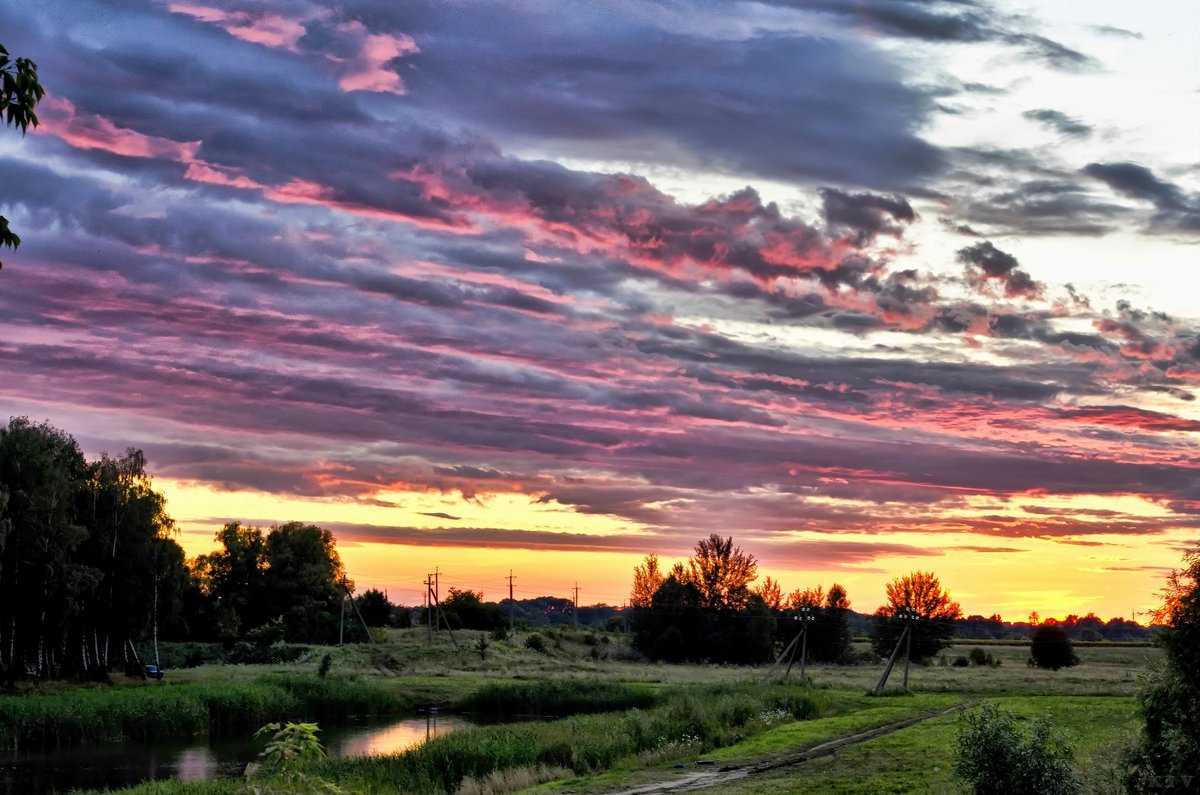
column 1051, row 648
column 705, row 610
column 374, row 607
column 20, row 93
column 42, row 586
column 465, row 610
column 920, row 593
column 721, row 573
column 1167, row 757
column 234, row 577
column 304, row 581
column 646, row 580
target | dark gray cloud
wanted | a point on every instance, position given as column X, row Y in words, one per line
column 1058, row 121
column 999, row 266
column 1177, row 212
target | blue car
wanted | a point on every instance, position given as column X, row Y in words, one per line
column 154, row 672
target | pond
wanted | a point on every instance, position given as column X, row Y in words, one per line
column 58, row 770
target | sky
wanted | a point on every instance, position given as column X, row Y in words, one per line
column 872, row 286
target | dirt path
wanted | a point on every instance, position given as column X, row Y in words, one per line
column 715, row 777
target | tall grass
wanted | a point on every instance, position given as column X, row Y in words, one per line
column 555, row 698
column 116, row 714
column 685, row 723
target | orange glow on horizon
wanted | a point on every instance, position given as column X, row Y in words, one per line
column 1110, row 575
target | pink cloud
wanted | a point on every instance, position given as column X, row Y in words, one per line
column 90, row 131
column 269, row 30
column 368, row 71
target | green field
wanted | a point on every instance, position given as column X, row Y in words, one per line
column 611, row 723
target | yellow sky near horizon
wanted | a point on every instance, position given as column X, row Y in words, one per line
column 1109, row 574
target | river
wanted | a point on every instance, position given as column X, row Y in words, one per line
column 58, row 770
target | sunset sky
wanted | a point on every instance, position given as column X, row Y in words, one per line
column 870, row 285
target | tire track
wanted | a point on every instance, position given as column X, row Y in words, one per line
column 701, row 780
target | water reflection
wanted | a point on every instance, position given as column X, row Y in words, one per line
column 396, row 737
column 120, row 765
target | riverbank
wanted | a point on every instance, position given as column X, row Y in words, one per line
column 158, row 709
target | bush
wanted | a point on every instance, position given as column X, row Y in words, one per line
column 980, row 657
column 1167, row 756
column 961, row 662
column 1051, row 648
column 536, row 643
column 995, row 757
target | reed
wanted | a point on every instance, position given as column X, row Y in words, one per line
column 555, row 698
column 106, row 714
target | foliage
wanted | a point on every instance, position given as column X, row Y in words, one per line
column 1051, row 648
column 326, row 664
column 1167, row 756
column 133, row 714
column 280, row 769
column 702, row 718
column 293, row 572
column 375, row 608
column 20, row 93
column 536, row 642
column 465, row 610
column 919, row 593
column 647, row 578
column 555, row 698
column 87, row 567
column 705, row 610
column 996, row 757
column 721, row 573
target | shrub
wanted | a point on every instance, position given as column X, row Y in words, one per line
column 980, row 657
column 996, row 757
column 961, row 662
column 1167, row 756
column 536, row 643
column 326, row 664
column 1051, row 648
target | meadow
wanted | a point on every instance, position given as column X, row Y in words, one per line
column 586, row 716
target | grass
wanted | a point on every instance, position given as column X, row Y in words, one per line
column 631, row 721
column 555, row 698
column 100, row 714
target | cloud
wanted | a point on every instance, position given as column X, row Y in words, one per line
column 1059, row 122
column 999, row 266
column 1177, row 211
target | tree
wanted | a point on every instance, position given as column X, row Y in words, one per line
column 919, row 593
column 465, row 610
column 721, row 573
column 771, row 593
column 646, row 580
column 705, row 610
column 374, row 607
column 1167, row 756
column 43, row 587
column 671, row 627
column 20, row 93
column 234, row 577
column 305, row 581
column 1051, row 648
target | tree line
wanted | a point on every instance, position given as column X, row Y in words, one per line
column 707, row 608
column 90, row 571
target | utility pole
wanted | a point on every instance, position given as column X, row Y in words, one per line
column 907, row 617
column 911, row 617
column 806, row 615
column 510, row 600
column 575, row 615
column 342, row 621
column 437, row 594
column 429, row 609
